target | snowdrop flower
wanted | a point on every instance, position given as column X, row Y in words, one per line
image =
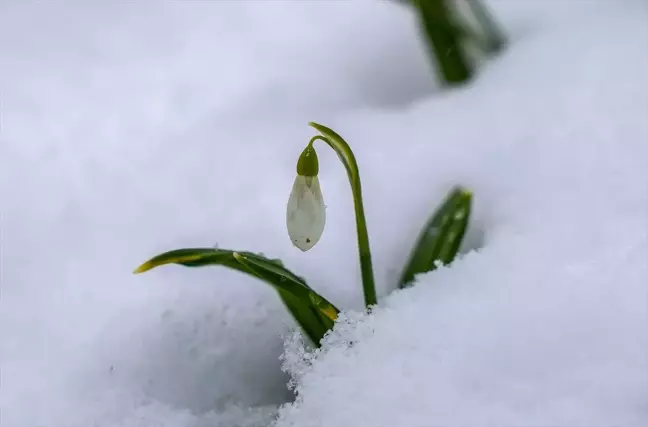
column 305, row 213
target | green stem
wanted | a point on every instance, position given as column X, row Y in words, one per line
column 345, row 154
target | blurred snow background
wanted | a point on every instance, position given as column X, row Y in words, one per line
column 132, row 128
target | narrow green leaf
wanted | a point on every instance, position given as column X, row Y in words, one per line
column 192, row 257
column 444, row 40
column 456, row 229
column 308, row 317
column 286, row 281
column 313, row 312
column 441, row 237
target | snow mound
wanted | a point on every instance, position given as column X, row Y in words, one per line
column 129, row 129
column 544, row 324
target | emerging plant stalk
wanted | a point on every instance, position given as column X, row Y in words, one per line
column 347, row 158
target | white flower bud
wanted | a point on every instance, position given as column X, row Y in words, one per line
column 305, row 214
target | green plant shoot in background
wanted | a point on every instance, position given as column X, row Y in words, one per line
column 438, row 242
column 446, row 31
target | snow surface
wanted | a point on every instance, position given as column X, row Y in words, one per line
column 134, row 128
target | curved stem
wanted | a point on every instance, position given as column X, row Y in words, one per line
column 346, row 156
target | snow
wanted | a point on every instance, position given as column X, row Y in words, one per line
column 133, row 128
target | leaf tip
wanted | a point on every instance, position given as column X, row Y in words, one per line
column 464, row 192
column 320, row 128
column 143, row 268
column 329, row 312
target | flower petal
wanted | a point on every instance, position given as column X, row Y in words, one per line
column 305, row 213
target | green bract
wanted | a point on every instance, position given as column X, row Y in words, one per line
column 439, row 241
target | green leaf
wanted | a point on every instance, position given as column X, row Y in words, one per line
column 444, row 40
column 283, row 279
column 455, row 231
column 307, row 316
column 313, row 312
column 495, row 40
column 441, row 237
column 345, row 154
